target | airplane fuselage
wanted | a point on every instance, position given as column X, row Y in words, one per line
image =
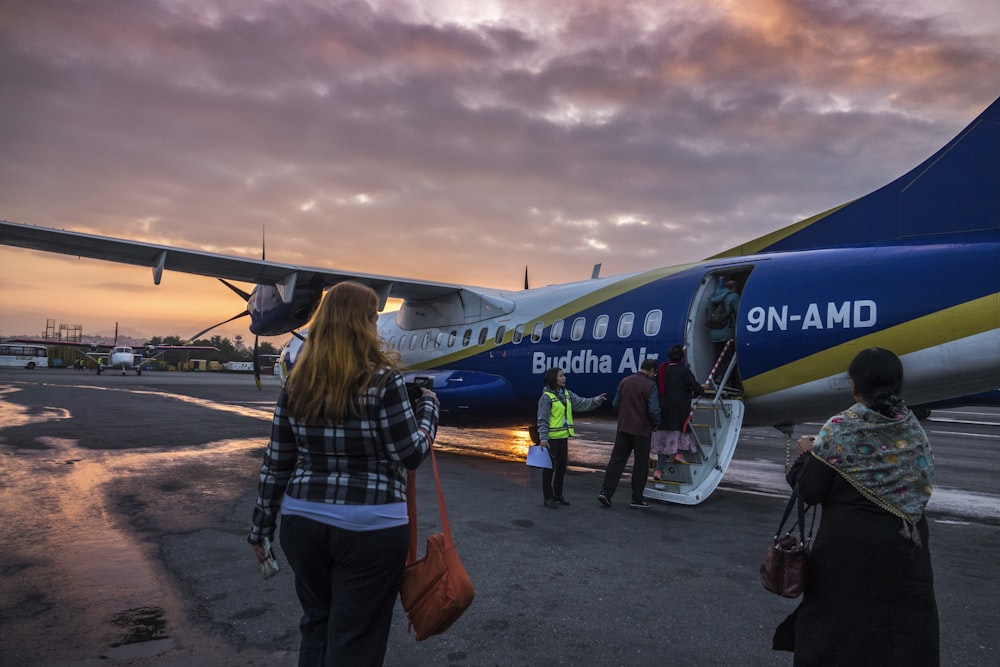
column 802, row 318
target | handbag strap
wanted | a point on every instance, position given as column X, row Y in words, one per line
column 411, row 509
column 795, row 500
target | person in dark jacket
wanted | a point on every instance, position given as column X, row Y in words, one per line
column 676, row 386
column 638, row 412
column 869, row 594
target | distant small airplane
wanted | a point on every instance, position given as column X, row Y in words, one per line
column 115, row 356
column 911, row 267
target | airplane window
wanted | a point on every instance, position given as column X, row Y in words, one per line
column 438, row 339
column 536, row 331
column 653, row 320
column 392, row 341
column 467, row 337
column 483, row 333
column 427, row 340
column 518, row 333
column 600, row 327
column 555, row 333
column 452, row 337
column 579, row 324
column 413, row 341
column 625, row 325
column 498, row 339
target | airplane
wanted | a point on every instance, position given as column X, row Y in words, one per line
column 115, row 356
column 912, row 266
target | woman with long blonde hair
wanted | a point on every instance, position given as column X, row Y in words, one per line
column 343, row 436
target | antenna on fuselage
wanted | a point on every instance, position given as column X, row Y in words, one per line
column 525, row 277
column 597, row 271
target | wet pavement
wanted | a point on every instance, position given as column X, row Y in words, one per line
column 128, row 501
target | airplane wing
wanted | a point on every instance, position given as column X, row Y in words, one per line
column 50, row 341
column 160, row 258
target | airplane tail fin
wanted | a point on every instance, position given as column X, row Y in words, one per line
column 952, row 196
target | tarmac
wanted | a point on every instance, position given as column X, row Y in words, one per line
column 126, row 545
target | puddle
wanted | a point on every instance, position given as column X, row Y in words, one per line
column 142, row 624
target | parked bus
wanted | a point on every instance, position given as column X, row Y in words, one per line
column 19, row 355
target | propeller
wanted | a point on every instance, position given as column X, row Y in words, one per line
column 190, row 340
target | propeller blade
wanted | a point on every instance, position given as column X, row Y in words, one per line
column 242, row 293
column 256, row 361
column 218, row 324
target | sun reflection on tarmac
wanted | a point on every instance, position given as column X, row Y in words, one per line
column 63, row 508
column 12, row 414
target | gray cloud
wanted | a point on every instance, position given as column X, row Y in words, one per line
column 393, row 139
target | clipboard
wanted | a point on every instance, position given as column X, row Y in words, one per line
column 538, row 457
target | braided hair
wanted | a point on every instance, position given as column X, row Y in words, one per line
column 877, row 374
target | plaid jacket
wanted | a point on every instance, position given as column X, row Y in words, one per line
column 358, row 461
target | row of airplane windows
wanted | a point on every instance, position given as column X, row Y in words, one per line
column 436, row 340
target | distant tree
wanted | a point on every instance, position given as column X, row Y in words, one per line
column 267, row 348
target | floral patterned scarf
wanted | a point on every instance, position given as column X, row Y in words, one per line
column 887, row 459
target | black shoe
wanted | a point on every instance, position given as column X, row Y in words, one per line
column 639, row 505
column 604, row 499
column 562, row 500
column 551, row 503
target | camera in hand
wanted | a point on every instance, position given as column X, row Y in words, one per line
column 415, row 389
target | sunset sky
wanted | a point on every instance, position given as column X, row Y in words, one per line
column 452, row 141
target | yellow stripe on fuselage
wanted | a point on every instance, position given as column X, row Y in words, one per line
column 976, row 316
column 562, row 312
column 761, row 243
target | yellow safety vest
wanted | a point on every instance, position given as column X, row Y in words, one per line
column 560, row 417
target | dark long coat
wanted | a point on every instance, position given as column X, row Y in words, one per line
column 869, row 596
column 677, row 386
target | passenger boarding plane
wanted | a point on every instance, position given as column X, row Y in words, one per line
column 913, row 267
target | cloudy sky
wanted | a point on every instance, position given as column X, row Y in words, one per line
column 449, row 140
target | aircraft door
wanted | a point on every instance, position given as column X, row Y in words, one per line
column 702, row 351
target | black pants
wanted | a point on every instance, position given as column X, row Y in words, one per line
column 626, row 444
column 347, row 583
column 552, row 478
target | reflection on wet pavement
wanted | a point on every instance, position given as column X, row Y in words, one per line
column 63, row 530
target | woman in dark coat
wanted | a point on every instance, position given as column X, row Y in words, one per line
column 677, row 386
column 869, row 595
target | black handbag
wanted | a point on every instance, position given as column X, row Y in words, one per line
column 783, row 569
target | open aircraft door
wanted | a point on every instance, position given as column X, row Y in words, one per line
column 715, row 421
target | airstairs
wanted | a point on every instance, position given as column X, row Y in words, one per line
column 715, row 422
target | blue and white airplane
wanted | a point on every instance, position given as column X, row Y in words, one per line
column 913, row 267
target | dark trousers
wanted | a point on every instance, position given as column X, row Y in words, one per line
column 347, row 583
column 552, row 478
column 625, row 444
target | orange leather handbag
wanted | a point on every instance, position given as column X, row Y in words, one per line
column 436, row 589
